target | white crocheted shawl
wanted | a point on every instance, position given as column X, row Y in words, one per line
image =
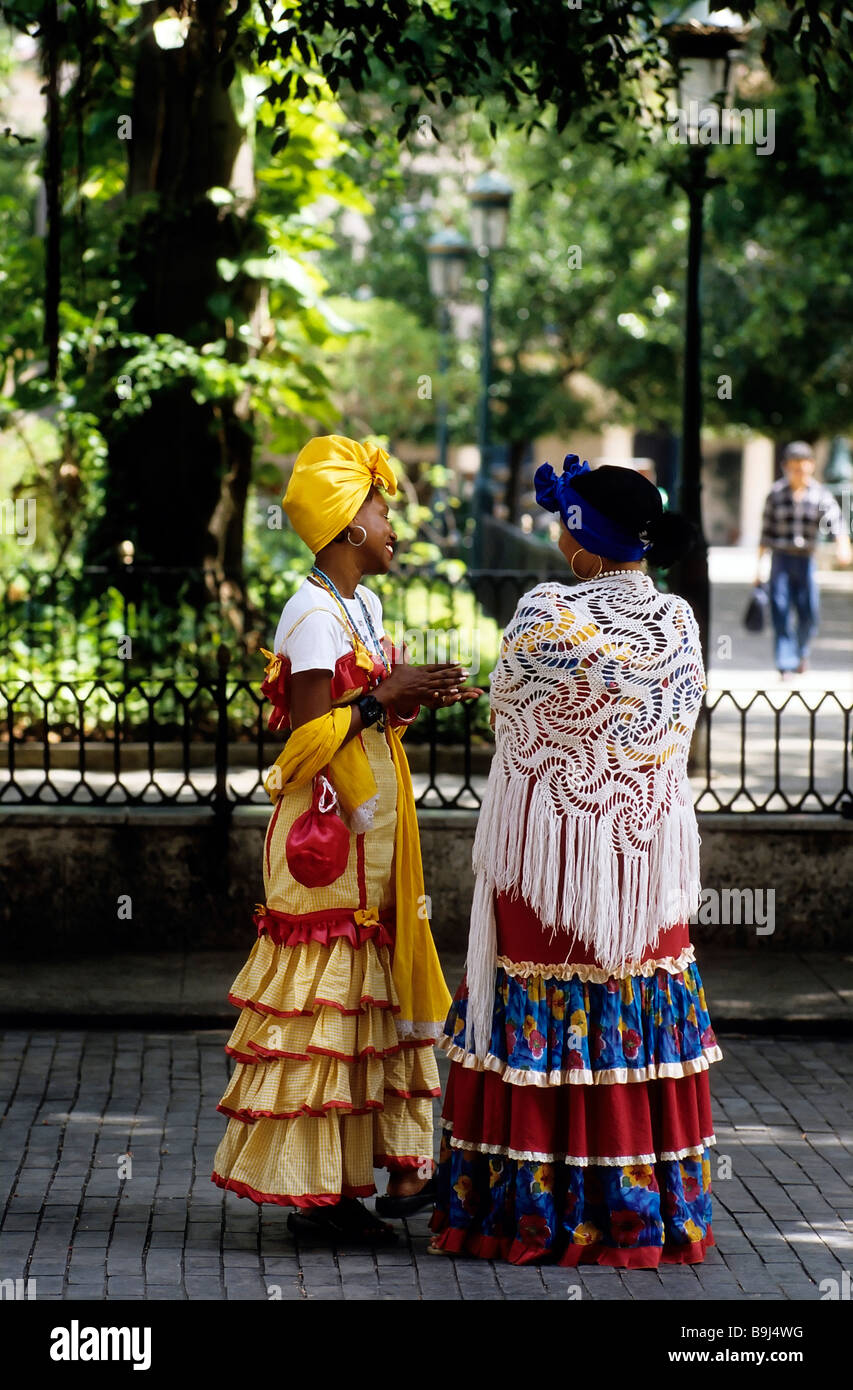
column 588, row 813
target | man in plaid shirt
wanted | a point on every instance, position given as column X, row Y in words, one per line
column 796, row 513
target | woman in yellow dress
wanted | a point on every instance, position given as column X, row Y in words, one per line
column 342, row 996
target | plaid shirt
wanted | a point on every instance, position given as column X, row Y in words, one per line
column 791, row 522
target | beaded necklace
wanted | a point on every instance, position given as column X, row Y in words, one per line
column 605, row 574
column 326, row 583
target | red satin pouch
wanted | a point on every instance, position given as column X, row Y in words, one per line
column 317, row 845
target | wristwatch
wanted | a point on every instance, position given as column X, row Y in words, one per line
column 371, row 711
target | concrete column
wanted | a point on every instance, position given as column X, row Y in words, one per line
column 756, row 480
column 617, row 446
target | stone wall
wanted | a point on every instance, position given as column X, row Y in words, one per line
column 69, row 877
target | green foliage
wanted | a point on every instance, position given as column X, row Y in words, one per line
column 778, row 279
column 591, row 66
column 50, row 659
column 109, row 374
column 388, row 378
column 777, row 294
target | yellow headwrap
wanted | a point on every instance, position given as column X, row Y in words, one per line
column 331, row 478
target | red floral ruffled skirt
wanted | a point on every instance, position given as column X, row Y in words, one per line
column 585, row 1134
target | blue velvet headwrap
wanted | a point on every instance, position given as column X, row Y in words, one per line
column 589, row 527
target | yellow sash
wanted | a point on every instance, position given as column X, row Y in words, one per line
column 416, row 972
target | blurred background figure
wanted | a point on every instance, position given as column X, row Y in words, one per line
column 797, row 512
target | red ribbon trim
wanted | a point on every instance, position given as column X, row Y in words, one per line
column 270, row 1054
column 266, row 1009
column 248, row 1116
column 287, row 929
column 457, row 1241
column 325, row 1199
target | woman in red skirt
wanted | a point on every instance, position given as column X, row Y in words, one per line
column 577, row 1120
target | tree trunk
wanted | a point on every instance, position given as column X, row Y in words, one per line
column 178, row 475
column 53, row 188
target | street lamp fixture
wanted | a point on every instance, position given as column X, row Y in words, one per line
column 447, row 254
column 490, row 197
column 701, row 43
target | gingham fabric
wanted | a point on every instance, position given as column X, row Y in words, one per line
column 282, row 891
column 301, row 1162
column 798, row 522
column 325, row 1091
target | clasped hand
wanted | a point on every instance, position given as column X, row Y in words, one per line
column 436, row 685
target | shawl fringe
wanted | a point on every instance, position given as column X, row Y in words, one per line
column 567, row 872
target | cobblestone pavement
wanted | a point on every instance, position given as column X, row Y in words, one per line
column 78, row 1105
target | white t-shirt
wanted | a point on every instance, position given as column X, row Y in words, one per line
column 322, row 638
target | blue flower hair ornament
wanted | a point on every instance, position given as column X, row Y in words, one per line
column 554, row 492
column 590, row 528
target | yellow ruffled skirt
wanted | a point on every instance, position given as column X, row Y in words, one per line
column 323, row 1091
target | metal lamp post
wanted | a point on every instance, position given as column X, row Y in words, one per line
column 702, row 43
column 446, row 257
column 490, row 197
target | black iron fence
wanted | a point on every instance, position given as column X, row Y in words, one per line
column 87, row 719
column 173, row 742
column 133, row 621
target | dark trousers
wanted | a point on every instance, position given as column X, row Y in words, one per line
column 795, row 607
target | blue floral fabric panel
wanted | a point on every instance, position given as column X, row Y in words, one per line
column 545, row 1207
column 545, row 1025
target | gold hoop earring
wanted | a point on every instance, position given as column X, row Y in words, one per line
column 363, row 539
column 585, row 576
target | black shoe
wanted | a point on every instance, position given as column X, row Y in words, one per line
column 407, row 1206
column 345, row 1223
